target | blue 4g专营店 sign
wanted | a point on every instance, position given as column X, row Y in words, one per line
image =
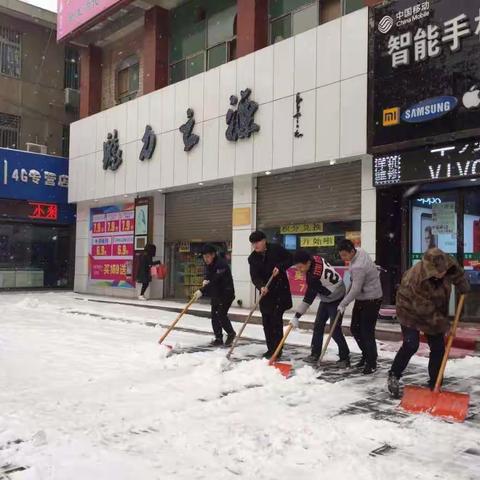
column 33, row 176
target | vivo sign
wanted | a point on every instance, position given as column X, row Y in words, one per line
column 72, row 14
column 429, row 109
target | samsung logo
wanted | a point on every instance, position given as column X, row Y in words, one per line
column 429, row 109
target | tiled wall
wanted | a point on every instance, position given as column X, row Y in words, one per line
column 327, row 65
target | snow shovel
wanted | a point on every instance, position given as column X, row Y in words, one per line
column 285, row 368
column 249, row 317
column 450, row 405
column 330, row 334
column 172, row 326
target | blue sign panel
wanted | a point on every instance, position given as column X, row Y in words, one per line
column 429, row 109
column 32, row 176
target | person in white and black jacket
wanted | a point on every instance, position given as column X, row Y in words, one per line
column 218, row 285
column 324, row 281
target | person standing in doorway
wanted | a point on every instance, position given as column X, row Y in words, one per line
column 145, row 263
column 366, row 291
column 266, row 260
column 218, row 285
column 422, row 306
column 324, row 281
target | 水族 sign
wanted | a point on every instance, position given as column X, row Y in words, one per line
column 32, row 176
column 426, row 70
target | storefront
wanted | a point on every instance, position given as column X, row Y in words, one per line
column 308, row 209
column 194, row 218
column 37, row 234
column 435, row 195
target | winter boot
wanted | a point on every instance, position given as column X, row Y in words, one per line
column 311, row 359
column 217, row 342
column 369, row 369
column 268, row 354
column 343, row 363
column 230, row 339
column 393, row 384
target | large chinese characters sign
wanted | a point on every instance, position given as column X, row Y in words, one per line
column 426, row 70
column 111, row 245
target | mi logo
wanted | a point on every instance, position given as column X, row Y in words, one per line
column 391, row 116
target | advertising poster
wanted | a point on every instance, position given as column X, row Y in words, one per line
column 111, row 245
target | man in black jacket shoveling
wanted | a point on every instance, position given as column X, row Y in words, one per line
column 218, row 285
column 269, row 259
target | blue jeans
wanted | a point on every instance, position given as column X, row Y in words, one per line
column 328, row 311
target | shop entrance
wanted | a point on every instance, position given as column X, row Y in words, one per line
column 449, row 220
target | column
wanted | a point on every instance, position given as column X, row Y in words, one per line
column 155, row 50
column 252, row 26
column 369, row 208
column 90, row 80
column 156, row 287
column 244, row 219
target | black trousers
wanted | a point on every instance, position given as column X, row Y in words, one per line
column 411, row 342
column 144, row 288
column 220, row 318
column 364, row 320
column 273, row 327
column 328, row 311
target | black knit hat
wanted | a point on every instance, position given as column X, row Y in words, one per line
column 256, row 236
column 301, row 256
column 208, row 248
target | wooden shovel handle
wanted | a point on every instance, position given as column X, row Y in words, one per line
column 330, row 334
column 280, row 345
column 453, row 331
column 179, row 316
column 249, row 317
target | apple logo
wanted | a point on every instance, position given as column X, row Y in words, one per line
column 471, row 99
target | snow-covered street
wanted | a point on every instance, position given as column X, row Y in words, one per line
column 87, row 393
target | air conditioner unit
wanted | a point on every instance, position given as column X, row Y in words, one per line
column 36, row 148
column 72, row 98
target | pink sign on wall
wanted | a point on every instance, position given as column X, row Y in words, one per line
column 72, row 14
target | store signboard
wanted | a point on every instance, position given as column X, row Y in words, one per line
column 111, row 245
column 73, row 14
column 32, row 176
column 317, row 241
column 425, row 69
column 450, row 161
column 301, row 228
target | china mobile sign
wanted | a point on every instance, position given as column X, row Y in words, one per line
column 426, row 70
column 73, row 14
column 452, row 161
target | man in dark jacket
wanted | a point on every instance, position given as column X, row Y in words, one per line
column 324, row 281
column 218, row 285
column 145, row 263
column 422, row 306
column 269, row 259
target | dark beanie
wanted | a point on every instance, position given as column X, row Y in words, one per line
column 208, row 248
column 256, row 236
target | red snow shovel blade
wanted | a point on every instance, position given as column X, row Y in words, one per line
column 284, row 368
column 449, row 405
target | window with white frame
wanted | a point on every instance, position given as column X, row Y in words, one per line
column 9, row 130
column 10, row 52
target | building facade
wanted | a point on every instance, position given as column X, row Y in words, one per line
column 424, row 136
column 276, row 139
column 39, row 81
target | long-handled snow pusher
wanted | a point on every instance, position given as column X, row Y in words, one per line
column 249, row 317
column 172, row 326
column 450, row 405
column 333, row 326
column 284, row 368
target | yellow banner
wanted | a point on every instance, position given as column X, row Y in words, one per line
column 318, row 241
column 302, row 228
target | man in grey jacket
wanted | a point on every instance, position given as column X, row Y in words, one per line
column 366, row 291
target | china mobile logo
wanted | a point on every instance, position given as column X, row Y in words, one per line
column 385, row 24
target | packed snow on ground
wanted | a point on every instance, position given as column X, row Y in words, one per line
column 93, row 397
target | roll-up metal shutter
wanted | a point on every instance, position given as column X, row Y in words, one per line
column 203, row 214
column 324, row 194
